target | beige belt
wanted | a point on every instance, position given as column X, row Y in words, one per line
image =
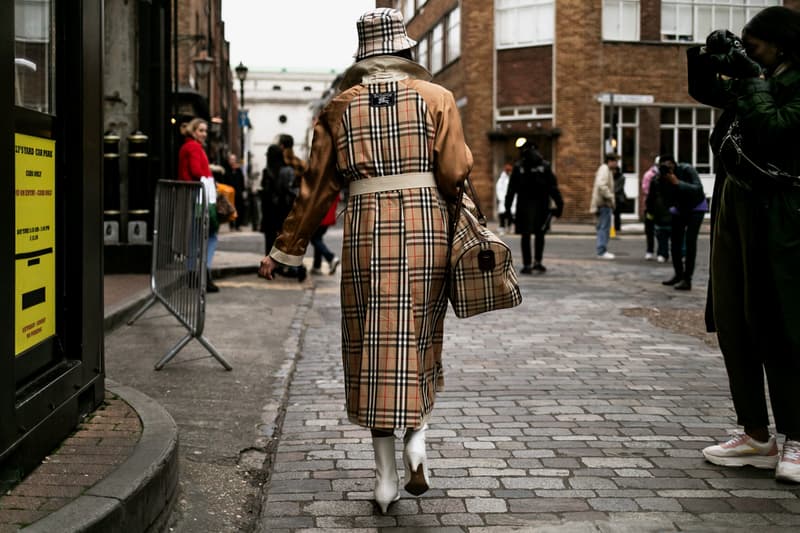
column 395, row 182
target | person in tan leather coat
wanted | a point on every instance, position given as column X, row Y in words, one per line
column 396, row 141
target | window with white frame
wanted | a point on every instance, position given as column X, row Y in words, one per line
column 685, row 132
column 621, row 20
column 407, row 8
column 453, row 50
column 437, row 48
column 422, row 51
column 621, row 135
column 693, row 20
column 524, row 22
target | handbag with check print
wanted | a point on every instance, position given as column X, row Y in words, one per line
column 481, row 275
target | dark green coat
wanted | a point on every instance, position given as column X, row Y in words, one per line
column 768, row 256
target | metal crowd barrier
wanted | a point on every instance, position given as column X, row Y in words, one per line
column 178, row 273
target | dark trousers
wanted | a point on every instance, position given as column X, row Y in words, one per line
column 538, row 247
column 755, row 258
column 685, row 229
column 504, row 219
column 320, row 248
column 662, row 238
column 649, row 234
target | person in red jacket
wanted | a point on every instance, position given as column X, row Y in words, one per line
column 320, row 248
column 193, row 166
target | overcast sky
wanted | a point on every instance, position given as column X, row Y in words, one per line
column 316, row 35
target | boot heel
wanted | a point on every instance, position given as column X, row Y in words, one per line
column 417, row 484
column 414, row 459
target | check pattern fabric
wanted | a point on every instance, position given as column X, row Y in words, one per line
column 472, row 290
column 381, row 31
column 393, row 319
column 395, row 242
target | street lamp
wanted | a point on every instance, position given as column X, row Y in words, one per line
column 241, row 73
column 202, row 64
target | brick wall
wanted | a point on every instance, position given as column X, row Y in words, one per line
column 585, row 68
column 650, row 20
column 470, row 80
column 477, row 59
column 524, row 76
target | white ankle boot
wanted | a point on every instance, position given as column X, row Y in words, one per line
column 386, row 479
column 415, row 459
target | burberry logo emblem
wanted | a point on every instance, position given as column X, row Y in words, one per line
column 382, row 99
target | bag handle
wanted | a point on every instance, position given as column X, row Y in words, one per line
column 474, row 198
column 459, row 204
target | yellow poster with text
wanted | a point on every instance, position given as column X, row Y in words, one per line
column 35, row 241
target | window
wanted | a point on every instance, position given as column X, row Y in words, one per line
column 453, row 51
column 693, row 20
column 422, row 51
column 685, row 132
column 34, row 55
column 626, row 123
column 524, row 112
column 406, row 7
column 437, row 48
column 524, row 22
column 621, row 20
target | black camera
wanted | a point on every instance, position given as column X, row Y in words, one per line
column 722, row 42
column 728, row 56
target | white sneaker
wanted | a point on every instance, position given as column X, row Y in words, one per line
column 606, row 255
column 789, row 465
column 334, row 265
column 661, row 259
column 649, row 256
column 743, row 450
column 315, row 271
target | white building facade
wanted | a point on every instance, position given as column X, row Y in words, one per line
column 280, row 102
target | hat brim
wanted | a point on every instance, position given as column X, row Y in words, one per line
column 399, row 43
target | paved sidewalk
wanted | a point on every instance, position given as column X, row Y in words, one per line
column 99, row 445
column 560, row 415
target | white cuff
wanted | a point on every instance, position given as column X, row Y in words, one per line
column 286, row 259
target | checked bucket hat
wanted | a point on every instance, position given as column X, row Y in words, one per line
column 381, row 31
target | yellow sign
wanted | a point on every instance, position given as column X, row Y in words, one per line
column 35, row 238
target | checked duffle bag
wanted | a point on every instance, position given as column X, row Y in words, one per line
column 481, row 275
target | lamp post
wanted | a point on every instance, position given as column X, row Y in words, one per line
column 241, row 73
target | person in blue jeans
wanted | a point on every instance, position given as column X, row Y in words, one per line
column 603, row 203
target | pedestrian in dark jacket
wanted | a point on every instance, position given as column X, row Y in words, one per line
column 277, row 194
column 684, row 194
column 534, row 184
column 755, row 246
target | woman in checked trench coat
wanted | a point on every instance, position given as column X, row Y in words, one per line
column 396, row 141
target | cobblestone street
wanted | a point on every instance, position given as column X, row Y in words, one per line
column 563, row 414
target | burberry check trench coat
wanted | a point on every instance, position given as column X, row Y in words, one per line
column 388, row 119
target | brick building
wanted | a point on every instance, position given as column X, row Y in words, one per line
column 578, row 77
column 204, row 81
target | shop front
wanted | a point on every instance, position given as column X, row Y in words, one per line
column 51, row 244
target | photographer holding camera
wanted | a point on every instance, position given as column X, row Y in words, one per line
column 754, row 293
column 687, row 203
